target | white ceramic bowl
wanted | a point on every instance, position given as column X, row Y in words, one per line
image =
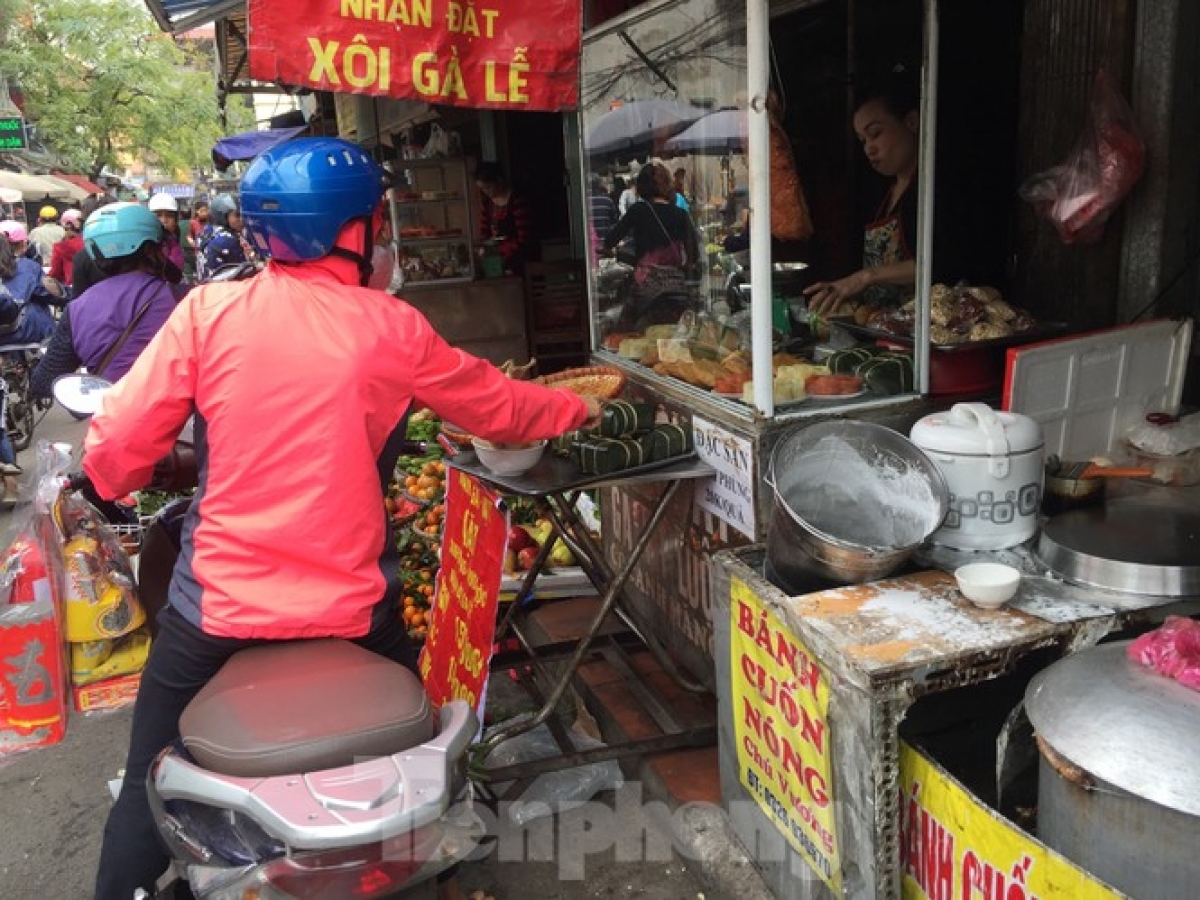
column 508, row 461
column 989, row 585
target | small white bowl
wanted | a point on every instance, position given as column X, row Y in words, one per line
column 989, row 585
column 508, row 461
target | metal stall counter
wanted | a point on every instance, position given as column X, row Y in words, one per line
column 825, row 787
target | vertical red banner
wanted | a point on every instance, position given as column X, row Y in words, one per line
column 458, row 648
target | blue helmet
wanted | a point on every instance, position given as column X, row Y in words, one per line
column 297, row 196
column 120, row 229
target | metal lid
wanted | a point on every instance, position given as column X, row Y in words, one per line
column 1138, row 546
column 976, row 429
column 1123, row 723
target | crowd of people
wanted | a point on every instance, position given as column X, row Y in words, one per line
column 85, row 279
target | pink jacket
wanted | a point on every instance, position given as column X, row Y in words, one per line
column 300, row 385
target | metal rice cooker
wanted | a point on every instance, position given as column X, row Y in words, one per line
column 1119, row 775
column 993, row 465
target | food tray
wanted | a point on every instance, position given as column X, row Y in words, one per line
column 601, row 382
column 1038, row 332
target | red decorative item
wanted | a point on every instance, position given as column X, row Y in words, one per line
column 32, row 665
column 1108, row 159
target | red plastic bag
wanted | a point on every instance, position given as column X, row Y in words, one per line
column 1173, row 650
column 1108, row 159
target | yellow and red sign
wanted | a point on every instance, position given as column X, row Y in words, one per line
column 953, row 847
column 482, row 54
column 458, row 648
column 780, row 700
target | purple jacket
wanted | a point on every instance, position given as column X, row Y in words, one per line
column 100, row 315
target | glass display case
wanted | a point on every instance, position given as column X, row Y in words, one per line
column 431, row 218
column 688, row 123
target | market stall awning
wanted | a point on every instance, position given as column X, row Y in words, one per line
column 74, row 191
column 178, row 16
column 250, row 144
column 81, row 182
column 32, row 187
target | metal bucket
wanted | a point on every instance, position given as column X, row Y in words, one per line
column 853, row 501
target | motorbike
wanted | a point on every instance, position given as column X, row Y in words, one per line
column 278, row 787
column 22, row 411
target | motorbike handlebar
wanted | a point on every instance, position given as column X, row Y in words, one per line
column 77, row 481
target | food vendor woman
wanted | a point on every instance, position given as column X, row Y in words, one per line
column 887, row 122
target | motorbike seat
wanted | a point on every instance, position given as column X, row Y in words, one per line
column 302, row 706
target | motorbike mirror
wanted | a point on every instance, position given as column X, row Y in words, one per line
column 80, row 393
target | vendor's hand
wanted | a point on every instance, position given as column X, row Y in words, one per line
column 826, row 296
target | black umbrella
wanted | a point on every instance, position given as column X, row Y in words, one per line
column 638, row 123
column 721, row 132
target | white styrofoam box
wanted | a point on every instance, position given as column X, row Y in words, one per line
column 1086, row 390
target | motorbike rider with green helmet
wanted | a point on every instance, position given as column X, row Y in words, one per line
column 108, row 325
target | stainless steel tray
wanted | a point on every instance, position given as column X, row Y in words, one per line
column 1135, row 547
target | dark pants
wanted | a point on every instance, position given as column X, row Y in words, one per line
column 182, row 660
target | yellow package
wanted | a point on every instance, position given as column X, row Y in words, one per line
column 101, row 601
column 126, row 656
column 88, row 655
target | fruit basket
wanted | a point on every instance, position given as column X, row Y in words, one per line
column 601, row 382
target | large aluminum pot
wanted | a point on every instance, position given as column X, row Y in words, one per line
column 853, row 501
column 1119, row 776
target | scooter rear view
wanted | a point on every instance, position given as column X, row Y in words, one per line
column 279, row 788
column 313, row 770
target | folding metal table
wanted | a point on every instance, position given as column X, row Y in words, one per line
column 558, row 482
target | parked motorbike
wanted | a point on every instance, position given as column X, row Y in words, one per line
column 22, row 411
column 279, row 786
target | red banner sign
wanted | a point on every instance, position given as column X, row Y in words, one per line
column 493, row 54
column 458, row 648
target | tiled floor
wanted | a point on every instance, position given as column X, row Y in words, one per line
column 683, row 776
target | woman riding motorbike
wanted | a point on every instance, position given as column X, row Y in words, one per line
column 300, row 380
column 107, row 326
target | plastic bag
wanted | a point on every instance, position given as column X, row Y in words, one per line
column 1108, row 159
column 438, row 143
column 554, row 791
column 33, row 689
column 99, row 595
column 1172, row 649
